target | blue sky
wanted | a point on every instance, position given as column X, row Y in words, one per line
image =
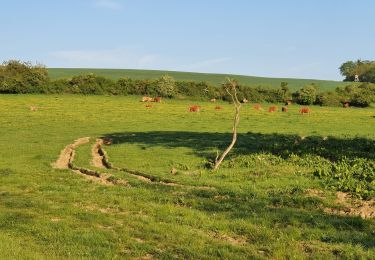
column 275, row 38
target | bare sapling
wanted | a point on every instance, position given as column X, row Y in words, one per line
column 231, row 89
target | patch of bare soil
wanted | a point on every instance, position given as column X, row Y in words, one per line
column 97, row 157
column 67, row 154
column 65, row 161
column 353, row 207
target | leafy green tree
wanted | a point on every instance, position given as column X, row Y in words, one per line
column 22, row 77
column 347, row 69
column 364, row 69
column 306, row 95
column 165, row 86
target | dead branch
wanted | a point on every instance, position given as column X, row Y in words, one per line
column 232, row 91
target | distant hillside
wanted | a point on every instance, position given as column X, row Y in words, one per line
column 216, row 79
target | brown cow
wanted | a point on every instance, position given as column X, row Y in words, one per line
column 272, row 109
column 346, row 104
column 257, row 107
column 218, row 107
column 147, row 99
column 195, row 108
column 157, row 99
column 305, row 110
column 284, row 109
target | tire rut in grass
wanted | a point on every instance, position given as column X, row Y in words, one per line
column 142, row 176
column 100, row 160
column 66, row 158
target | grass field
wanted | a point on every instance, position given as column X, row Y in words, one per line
column 216, row 79
column 265, row 202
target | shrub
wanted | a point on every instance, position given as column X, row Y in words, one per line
column 306, row 95
column 90, row 84
column 350, row 175
column 164, row 86
column 360, row 99
column 329, row 98
column 22, row 77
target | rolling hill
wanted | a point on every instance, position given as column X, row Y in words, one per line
column 56, row 73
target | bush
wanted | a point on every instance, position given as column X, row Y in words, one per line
column 165, row 86
column 350, row 175
column 360, row 99
column 329, row 99
column 306, row 95
column 91, row 84
column 22, row 77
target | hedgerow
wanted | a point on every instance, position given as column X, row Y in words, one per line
column 18, row 77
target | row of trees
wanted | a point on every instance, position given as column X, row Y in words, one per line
column 365, row 70
column 20, row 77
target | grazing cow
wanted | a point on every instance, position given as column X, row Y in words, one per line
column 284, row 109
column 33, row 108
column 305, row 110
column 272, row 109
column 213, row 100
column 346, row 104
column 147, row 99
column 257, row 107
column 195, row 108
column 218, row 107
column 157, row 99
column 245, row 101
column 148, row 106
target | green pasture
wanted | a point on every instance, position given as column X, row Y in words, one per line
column 257, row 206
column 217, row 79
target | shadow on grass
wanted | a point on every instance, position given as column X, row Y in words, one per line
column 290, row 211
column 279, row 211
column 204, row 144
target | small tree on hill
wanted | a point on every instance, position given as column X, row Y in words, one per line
column 166, row 86
column 231, row 88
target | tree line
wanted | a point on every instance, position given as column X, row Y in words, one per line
column 18, row 77
column 363, row 69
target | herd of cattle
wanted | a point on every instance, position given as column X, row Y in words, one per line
column 196, row 108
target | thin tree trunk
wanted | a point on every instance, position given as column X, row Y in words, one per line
column 236, row 121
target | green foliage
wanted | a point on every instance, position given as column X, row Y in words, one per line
column 90, row 84
column 306, row 95
column 165, row 86
column 22, row 77
column 364, row 69
column 360, row 99
column 350, row 175
column 126, row 86
column 330, row 98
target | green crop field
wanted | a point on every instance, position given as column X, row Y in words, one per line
column 159, row 199
column 217, row 79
